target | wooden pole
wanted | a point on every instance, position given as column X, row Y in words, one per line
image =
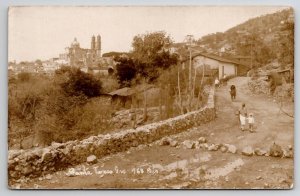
column 179, row 91
column 145, row 105
column 160, row 102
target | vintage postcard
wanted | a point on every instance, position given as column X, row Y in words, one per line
column 161, row 97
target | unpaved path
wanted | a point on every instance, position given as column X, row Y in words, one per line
column 155, row 166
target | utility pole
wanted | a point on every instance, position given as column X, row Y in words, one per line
column 190, row 40
column 251, row 53
column 251, row 48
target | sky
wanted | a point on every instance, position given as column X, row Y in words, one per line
column 45, row 32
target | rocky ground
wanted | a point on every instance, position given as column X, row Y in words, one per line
column 215, row 155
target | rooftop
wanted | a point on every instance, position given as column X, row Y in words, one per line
column 127, row 91
column 219, row 58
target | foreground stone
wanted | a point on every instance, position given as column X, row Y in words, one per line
column 248, row 151
column 189, row 144
column 48, row 177
column 203, row 146
column 258, row 178
column 288, row 152
column 223, row 149
column 165, row 141
column 174, row 143
column 213, row 147
column 92, row 159
column 231, row 148
column 276, row 150
column 260, row 152
column 202, row 140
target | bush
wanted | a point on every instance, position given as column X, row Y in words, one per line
column 94, row 119
column 69, row 120
column 109, row 84
column 80, row 83
column 24, row 103
column 54, row 109
column 24, row 76
column 126, row 71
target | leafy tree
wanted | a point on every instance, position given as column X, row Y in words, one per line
column 126, row 70
column 150, row 54
column 38, row 62
column 80, row 83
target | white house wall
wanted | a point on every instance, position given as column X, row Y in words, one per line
column 229, row 69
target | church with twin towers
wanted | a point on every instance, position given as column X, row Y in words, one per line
column 74, row 55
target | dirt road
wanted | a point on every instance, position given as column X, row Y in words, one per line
column 156, row 166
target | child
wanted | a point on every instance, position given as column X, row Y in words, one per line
column 251, row 122
column 217, row 83
column 243, row 116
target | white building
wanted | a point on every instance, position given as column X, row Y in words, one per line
column 220, row 65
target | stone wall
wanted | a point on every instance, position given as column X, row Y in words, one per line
column 58, row 156
column 259, row 86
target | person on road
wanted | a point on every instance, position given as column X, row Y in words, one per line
column 251, row 122
column 232, row 92
column 243, row 116
column 217, row 83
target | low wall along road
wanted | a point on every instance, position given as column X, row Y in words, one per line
column 58, row 156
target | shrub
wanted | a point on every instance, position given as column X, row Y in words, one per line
column 94, row 119
column 126, row 70
column 24, row 76
column 109, row 84
column 80, row 83
column 25, row 101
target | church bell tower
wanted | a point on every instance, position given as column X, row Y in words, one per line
column 98, row 46
column 93, row 43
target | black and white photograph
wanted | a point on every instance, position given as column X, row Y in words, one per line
column 150, row 97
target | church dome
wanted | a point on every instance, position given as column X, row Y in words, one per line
column 75, row 43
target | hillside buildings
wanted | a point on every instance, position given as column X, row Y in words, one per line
column 89, row 60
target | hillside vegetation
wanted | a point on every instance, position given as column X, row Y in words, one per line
column 265, row 39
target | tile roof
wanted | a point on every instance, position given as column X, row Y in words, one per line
column 218, row 58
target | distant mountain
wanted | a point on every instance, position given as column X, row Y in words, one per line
column 261, row 40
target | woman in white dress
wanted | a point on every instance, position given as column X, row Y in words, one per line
column 243, row 116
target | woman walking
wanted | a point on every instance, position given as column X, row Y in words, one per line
column 243, row 116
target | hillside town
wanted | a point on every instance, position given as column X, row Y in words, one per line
column 194, row 114
column 88, row 60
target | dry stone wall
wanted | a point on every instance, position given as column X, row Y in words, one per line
column 58, row 156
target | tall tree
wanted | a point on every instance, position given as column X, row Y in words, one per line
column 150, row 53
